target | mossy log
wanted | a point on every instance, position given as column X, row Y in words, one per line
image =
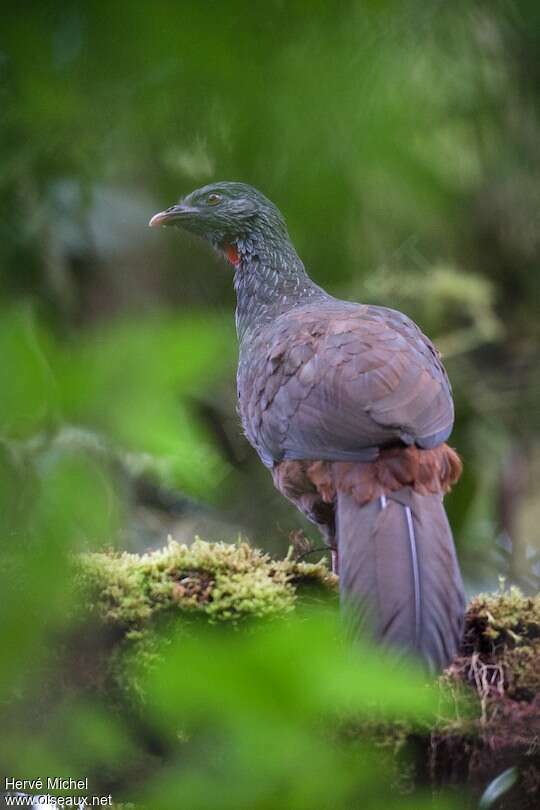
column 220, row 581
column 495, row 681
column 499, row 666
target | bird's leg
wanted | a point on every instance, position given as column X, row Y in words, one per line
column 335, row 560
column 329, row 534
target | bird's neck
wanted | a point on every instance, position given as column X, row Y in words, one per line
column 269, row 279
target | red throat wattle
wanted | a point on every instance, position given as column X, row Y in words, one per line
column 231, row 254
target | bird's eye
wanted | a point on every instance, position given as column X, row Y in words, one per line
column 213, row 199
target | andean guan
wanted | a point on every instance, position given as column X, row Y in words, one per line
column 350, row 408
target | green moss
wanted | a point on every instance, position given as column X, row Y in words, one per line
column 216, row 582
column 489, row 705
column 503, row 646
column 505, row 618
column 500, row 660
column 522, row 671
column 220, row 581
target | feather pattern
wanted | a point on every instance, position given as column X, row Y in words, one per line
column 332, row 380
column 399, row 575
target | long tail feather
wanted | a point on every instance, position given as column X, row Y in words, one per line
column 399, row 574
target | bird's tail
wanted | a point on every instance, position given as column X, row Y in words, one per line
column 397, row 564
column 399, row 576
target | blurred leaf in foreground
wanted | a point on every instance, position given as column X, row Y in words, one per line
column 258, row 718
column 134, row 379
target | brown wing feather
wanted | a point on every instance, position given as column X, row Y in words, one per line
column 335, row 381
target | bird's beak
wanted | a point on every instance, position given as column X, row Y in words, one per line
column 176, row 214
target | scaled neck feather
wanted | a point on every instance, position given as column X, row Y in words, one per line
column 269, row 279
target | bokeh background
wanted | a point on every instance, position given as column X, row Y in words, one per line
column 401, row 140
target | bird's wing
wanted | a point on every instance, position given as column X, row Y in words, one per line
column 336, row 381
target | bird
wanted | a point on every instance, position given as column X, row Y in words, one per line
column 350, row 408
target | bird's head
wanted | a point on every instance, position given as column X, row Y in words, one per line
column 225, row 214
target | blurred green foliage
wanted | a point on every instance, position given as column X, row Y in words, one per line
column 402, row 142
column 133, row 382
column 275, row 741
